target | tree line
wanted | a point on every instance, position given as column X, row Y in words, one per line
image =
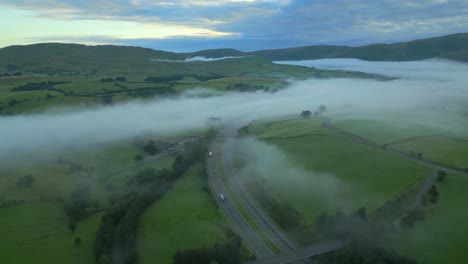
column 226, row 253
column 119, row 225
column 37, row 86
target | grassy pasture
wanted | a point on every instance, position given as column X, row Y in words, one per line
column 358, row 175
column 184, row 218
column 37, row 233
column 385, row 132
column 441, row 149
column 289, row 128
column 441, row 236
column 37, row 230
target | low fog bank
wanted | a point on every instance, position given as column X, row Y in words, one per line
column 432, row 69
column 423, row 100
column 203, row 59
column 265, row 161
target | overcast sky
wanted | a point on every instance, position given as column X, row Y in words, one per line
column 188, row 25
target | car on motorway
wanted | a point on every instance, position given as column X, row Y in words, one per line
column 222, row 197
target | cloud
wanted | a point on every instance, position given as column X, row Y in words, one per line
column 417, row 99
column 262, row 24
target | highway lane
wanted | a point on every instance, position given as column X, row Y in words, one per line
column 309, row 251
column 265, row 224
column 248, row 235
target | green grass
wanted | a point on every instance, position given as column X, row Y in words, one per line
column 184, row 218
column 37, row 233
column 440, row 149
column 336, row 173
column 386, row 131
column 289, row 128
column 441, row 236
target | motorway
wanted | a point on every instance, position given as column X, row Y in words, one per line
column 265, row 224
column 300, row 253
column 248, row 235
column 289, row 252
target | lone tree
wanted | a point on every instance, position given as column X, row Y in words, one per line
column 120, row 79
column 72, row 226
column 441, row 176
column 419, row 155
column 322, row 108
column 433, row 194
column 150, row 147
column 77, row 241
column 306, row 114
column 25, row 181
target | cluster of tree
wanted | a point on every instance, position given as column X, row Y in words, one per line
column 13, row 102
column 121, row 220
column 433, row 194
column 7, row 74
column 151, row 91
column 411, row 217
column 106, row 99
column 150, row 147
column 25, row 181
column 283, row 213
column 306, row 114
column 226, row 253
column 320, row 110
column 207, row 77
column 11, row 203
column 343, row 226
column 80, row 201
column 163, row 79
column 242, row 87
column 243, row 131
column 441, row 176
column 418, row 155
column 362, row 252
column 117, row 79
column 36, row 86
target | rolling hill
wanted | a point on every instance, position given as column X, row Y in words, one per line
column 454, row 47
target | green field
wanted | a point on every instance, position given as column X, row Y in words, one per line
column 441, row 236
column 289, row 128
column 36, row 230
column 336, row 173
column 185, row 218
column 386, row 131
column 37, row 233
column 441, row 149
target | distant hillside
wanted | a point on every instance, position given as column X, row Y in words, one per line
column 74, row 59
column 57, row 57
column 301, row 53
column 453, row 47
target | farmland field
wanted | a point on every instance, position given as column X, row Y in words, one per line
column 186, row 217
